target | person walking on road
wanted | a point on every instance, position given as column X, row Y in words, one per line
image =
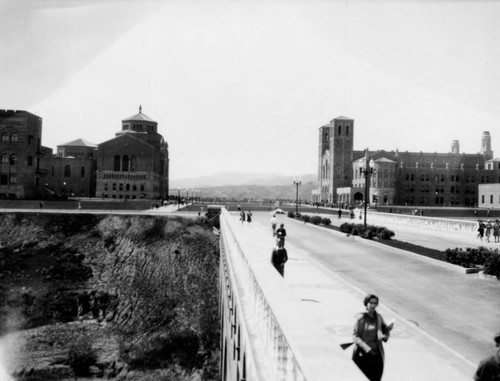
column 281, row 234
column 488, row 228
column 242, row 216
column 496, row 231
column 249, row 216
column 370, row 330
column 489, row 368
column 273, row 222
column 279, row 256
column 480, row 230
column 339, row 212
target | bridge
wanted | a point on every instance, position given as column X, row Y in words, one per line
column 292, row 328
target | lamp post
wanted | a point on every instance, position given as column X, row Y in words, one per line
column 178, row 199
column 367, row 171
column 297, row 183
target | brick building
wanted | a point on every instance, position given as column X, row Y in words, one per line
column 134, row 164
column 400, row 178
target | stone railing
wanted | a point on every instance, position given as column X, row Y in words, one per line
column 425, row 222
column 266, row 333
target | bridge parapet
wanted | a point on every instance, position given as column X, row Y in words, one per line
column 266, row 332
column 426, row 222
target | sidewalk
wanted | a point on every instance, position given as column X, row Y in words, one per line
column 411, row 354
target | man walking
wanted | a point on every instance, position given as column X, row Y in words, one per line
column 489, row 369
column 273, row 222
column 279, row 257
column 281, row 234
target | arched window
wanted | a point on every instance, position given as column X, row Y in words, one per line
column 13, row 159
column 14, row 137
column 5, row 158
column 82, row 171
column 133, row 164
column 5, row 137
column 67, row 170
column 116, row 163
column 125, row 163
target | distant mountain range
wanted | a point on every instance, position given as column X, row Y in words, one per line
column 235, row 178
column 241, row 186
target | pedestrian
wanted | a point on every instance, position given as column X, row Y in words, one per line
column 281, row 234
column 79, row 205
column 480, row 230
column 249, row 216
column 273, row 222
column 41, row 205
column 496, row 231
column 489, row 368
column 242, row 216
column 279, row 256
column 370, row 330
column 339, row 213
column 488, row 231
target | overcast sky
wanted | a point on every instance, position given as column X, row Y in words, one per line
column 244, row 85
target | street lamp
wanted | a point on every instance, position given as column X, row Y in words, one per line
column 367, row 171
column 297, row 183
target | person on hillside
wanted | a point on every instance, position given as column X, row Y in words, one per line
column 370, row 330
column 242, row 217
column 480, row 230
column 488, row 228
column 496, row 231
column 249, row 216
column 281, row 234
column 279, row 257
column 489, row 368
column 273, row 222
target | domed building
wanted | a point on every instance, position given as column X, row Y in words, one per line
column 134, row 164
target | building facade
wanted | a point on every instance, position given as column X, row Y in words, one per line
column 132, row 165
column 400, row 178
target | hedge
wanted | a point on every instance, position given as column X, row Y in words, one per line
column 368, row 231
column 474, row 257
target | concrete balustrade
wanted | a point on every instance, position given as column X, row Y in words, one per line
column 267, row 334
column 422, row 221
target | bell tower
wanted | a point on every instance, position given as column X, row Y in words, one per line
column 486, row 146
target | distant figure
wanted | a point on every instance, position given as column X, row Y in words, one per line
column 488, row 213
column 239, row 208
column 242, row 216
column 79, row 205
column 339, row 212
column 488, row 228
column 281, row 234
column 279, row 257
column 475, row 213
column 370, row 330
column 41, row 205
column 249, row 216
column 496, row 231
column 273, row 222
column 489, row 368
column 480, row 230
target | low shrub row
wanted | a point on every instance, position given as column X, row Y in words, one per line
column 368, row 231
column 316, row 220
column 473, row 257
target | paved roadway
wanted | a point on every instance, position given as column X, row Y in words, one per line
column 461, row 311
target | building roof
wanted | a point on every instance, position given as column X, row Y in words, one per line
column 139, row 117
column 342, row 118
column 493, row 160
column 79, row 143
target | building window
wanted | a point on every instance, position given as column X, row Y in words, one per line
column 116, row 163
column 52, row 170
column 491, row 199
column 482, row 199
column 125, row 163
column 82, row 171
column 4, row 179
column 339, row 128
column 5, row 158
column 30, row 140
column 13, row 178
column 133, row 164
column 105, row 186
column 114, row 187
column 346, row 130
column 13, row 159
column 142, row 187
column 5, row 137
column 120, row 187
column 127, row 187
column 14, row 137
column 67, row 170
column 134, row 187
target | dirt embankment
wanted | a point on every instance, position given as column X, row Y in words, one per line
column 108, row 297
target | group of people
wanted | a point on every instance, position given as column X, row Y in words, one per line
column 486, row 229
column 245, row 216
column 279, row 255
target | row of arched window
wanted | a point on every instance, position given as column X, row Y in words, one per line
column 124, row 163
column 67, row 171
column 13, row 137
column 10, row 159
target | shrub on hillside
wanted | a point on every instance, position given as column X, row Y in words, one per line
column 470, row 257
column 81, row 356
column 291, row 214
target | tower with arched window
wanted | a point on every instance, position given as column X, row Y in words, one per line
column 134, row 164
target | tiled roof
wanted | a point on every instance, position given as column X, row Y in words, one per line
column 342, row 118
column 139, row 117
column 79, row 143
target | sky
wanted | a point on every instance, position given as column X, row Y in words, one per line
column 244, row 85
